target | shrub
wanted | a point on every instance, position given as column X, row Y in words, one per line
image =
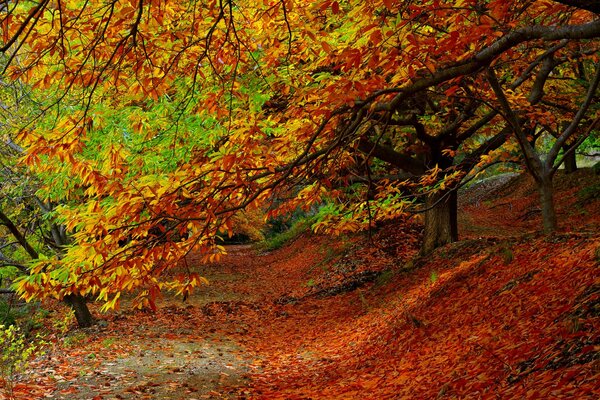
column 11, row 311
column 15, row 354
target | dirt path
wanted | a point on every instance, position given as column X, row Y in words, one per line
column 187, row 350
column 161, row 369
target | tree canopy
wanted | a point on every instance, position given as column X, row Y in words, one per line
column 158, row 122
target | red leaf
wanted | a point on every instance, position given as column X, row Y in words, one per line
column 389, row 4
column 335, row 7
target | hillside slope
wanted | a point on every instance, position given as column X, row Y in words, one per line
column 509, row 313
column 504, row 313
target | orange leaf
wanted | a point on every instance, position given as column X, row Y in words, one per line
column 328, row 49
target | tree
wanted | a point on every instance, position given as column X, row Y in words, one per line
column 543, row 170
column 52, row 235
column 378, row 108
column 24, row 216
column 75, row 301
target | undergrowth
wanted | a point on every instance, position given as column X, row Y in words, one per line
column 15, row 353
column 279, row 240
column 589, row 193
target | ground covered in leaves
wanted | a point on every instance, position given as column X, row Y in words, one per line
column 504, row 313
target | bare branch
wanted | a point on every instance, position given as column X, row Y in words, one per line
column 6, row 221
column 589, row 5
column 531, row 158
column 568, row 132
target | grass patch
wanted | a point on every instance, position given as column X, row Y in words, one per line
column 384, row 278
column 589, row 194
column 433, row 277
column 329, row 255
column 74, row 339
column 281, row 239
column 507, row 255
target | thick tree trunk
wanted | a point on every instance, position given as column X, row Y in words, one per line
column 82, row 313
column 546, row 191
column 570, row 161
column 441, row 225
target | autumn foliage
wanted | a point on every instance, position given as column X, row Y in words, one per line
column 140, row 135
column 492, row 316
column 157, row 123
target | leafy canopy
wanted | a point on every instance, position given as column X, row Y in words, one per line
column 160, row 121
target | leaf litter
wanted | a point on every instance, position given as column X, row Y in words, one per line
column 513, row 315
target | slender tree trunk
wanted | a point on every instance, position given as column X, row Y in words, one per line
column 546, row 191
column 441, row 225
column 79, row 305
column 570, row 161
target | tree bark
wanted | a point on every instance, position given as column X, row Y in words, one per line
column 570, row 162
column 590, row 5
column 546, row 191
column 76, row 302
column 79, row 305
column 7, row 222
column 441, row 224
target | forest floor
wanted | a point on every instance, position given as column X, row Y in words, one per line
column 504, row 313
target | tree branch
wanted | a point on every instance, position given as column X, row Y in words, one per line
column 568, row 132
column 491, row 144
column 20, row 267
column 574, row 147
column 392, row 157
column 6, row 221
column 32, row 14
column 589, row 5
column 537, row 91
column 532, row 160
column 485, row 57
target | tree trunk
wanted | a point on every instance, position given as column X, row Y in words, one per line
column 570, row 161
column 441, row 225
column 77, row 302
column 546, row 191
column 82, row 313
